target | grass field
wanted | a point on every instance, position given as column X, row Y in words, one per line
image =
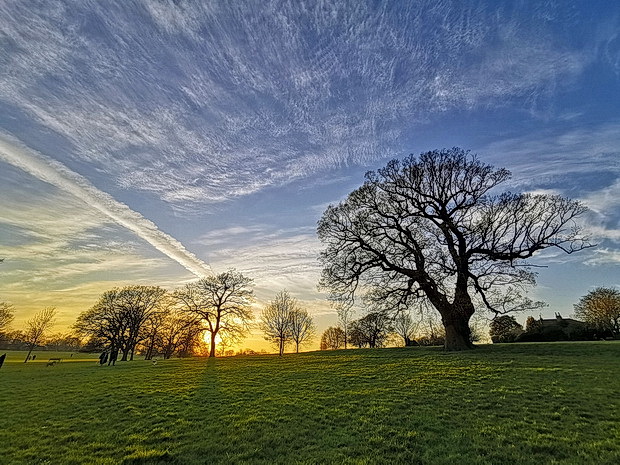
column 556, row 403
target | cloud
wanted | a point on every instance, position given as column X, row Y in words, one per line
column 604, row 256
column 57, row 174
column 164, row 97
column 275, row 258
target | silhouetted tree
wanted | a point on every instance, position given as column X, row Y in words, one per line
column 429, row 228
column 66, row 341
column 332, row 338
column 357, row 337
column 37, row 326
column 532, row 325
column 600, row 308
column 138, row 304
column 302, row 327
column 222, row 302
column 504, row 328
column 7, row 314
column 120, row 316
column 276, row 320
column 405, row 327
column 373, row 329
column 345, row 311
column 104, row 324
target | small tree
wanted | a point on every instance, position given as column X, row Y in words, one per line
column 504, row 329
column 37, row 326
column 332, row 338
column 405, row 327
column 276, row 320
column 345, row 311
column 7, row 314
column 373, row 329
column 600, row 308
column 532, row 325
column 302, row 328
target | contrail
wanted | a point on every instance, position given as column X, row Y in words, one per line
column 57, row 174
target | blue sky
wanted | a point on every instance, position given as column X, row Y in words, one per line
column 143, row 142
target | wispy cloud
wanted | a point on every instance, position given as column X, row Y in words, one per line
column 165, row 97
column 57, row 174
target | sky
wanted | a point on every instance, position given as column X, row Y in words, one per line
column 150, row 142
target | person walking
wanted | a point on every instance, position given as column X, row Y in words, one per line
column 113, row 357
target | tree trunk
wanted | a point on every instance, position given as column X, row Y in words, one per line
column 457, row 329
column 212, row 348
column 281, row 346
column 29, row 352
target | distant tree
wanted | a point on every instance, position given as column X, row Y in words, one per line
column 66, row 341
column 7, row 314
column 120, row 316
column 222, row 302
column 357, row 337
column 345, row 310
column 227, row 342
column 332, row 338
column 431, row 227
column 276, row 320
column 600, row 308
column 532, row 325
column 150, row 333
column 138, row 304
column 431, row 331
column 374, row 329
column 504, row 328
column 405, row 327
column 37, row 326
column 302, row 327
column 104, row 324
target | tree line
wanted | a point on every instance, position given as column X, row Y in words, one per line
column 214, row 312
column 381, row 328
column 598, row 314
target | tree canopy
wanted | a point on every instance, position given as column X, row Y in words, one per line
column 7, row 314
column 434, row 227
column 600, row 308
column 120, row 317
column 504, row 328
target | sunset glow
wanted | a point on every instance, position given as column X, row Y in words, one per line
column 156, row 142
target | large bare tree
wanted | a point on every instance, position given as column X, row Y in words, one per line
column 433, row 227
column 222, row 302
column 37, row 326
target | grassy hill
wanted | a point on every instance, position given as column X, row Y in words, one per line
column 504, row 404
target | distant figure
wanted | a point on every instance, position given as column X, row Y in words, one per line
column 103, row 357
column 2, row 357
column 34, row 357
column 113, row 357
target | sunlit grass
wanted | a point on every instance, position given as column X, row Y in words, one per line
column 506, row 404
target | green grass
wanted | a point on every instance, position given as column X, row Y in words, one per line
column 504, row 404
